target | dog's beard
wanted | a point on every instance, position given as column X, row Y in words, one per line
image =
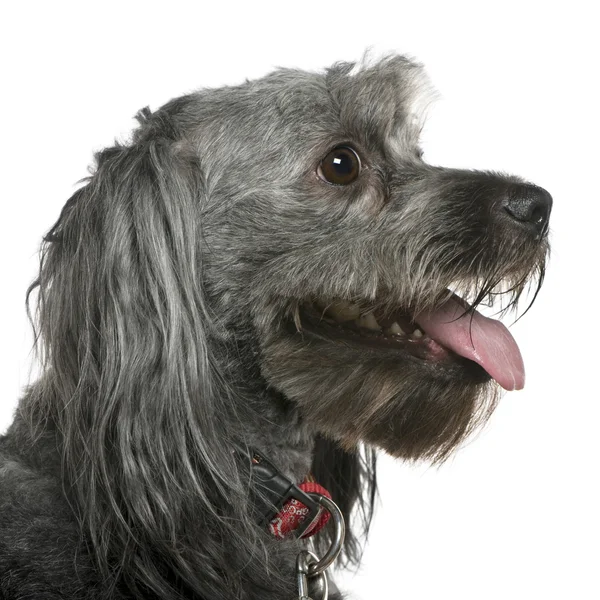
column 411, row 409
column 365, row 380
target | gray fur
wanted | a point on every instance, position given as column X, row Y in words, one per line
column 171, row 333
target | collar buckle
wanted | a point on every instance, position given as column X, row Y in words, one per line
column 273, row 491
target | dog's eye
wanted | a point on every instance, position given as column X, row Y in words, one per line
column 340, row 167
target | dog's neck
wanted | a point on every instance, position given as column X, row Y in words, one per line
column 273, row 427
column 268, row 423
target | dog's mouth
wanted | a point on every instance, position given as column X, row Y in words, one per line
column 447, row 334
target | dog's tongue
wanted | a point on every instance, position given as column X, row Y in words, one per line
column 480, row 339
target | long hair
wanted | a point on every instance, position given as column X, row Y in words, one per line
column 133, row 385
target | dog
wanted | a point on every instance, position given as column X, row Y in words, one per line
column 266, row 275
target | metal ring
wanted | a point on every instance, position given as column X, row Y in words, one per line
column 324, row 563
column 305, row 559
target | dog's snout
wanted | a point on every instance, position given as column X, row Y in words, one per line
column 530, row 205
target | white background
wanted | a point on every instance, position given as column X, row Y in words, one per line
column 515, row 514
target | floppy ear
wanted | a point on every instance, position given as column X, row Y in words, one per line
column 129, row 377
column 351, row 479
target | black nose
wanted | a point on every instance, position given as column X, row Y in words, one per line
column 530, row 205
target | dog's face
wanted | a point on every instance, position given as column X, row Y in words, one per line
column 333, row 242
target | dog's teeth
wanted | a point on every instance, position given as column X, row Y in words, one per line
column 368, row 321
column 395, row 329
column 417, row 333
column 343, row 311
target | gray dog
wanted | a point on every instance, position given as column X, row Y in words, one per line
column 241, row 303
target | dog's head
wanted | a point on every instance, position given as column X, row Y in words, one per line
column 277, row 248
column 336, row 245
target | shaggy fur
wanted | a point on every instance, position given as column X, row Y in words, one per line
column 176, row 324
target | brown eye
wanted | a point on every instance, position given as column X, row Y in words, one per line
column 340, row 167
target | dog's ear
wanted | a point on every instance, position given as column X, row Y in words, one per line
column 350, row 477
column 129, row 379
column 389, row 95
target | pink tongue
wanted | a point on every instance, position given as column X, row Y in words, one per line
column 484, row 341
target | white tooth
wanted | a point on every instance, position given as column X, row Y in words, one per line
column 368, row 321
column 343, row 311
column 417, row 333
column 395, row 329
